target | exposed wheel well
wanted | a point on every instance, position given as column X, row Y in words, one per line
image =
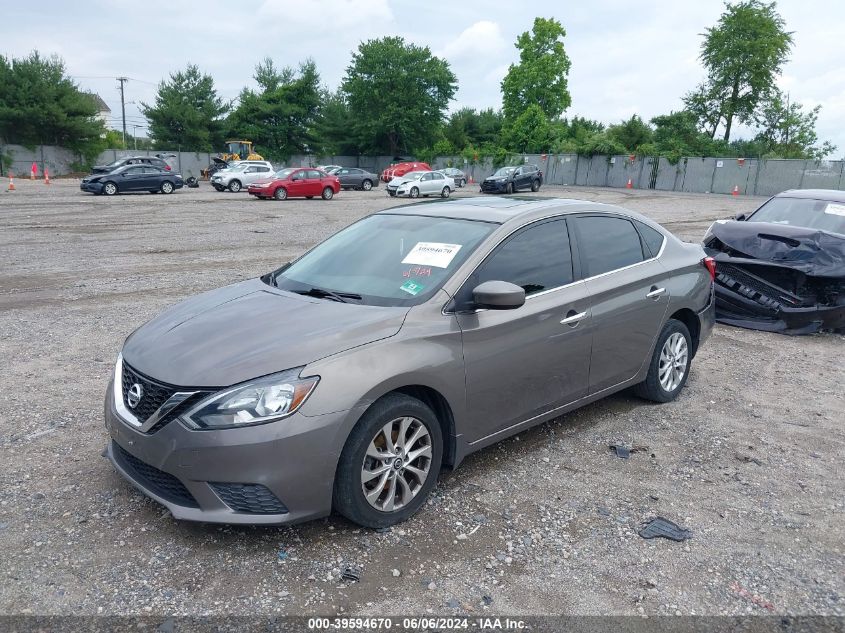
column 690, row 319
column 442, row 410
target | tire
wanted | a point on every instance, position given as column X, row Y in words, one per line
column 110, row 188
column 394, row 412
column 328, row 193
column 166, row 187
column 280, row 194
column 219, row 188
column 663, row 384
column 509, row 188
column 463, row 183
column 235, row 186
column 535, row 185
column 445, row 193
column 414, row 193
column 367, row 185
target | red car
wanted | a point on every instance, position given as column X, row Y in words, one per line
column 296, row 182
column 400, row 169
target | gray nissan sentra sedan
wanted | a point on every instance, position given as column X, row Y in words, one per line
column 347, row 378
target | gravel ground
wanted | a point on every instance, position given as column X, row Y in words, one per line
column 749, row 457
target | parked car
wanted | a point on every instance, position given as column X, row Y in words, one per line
column 296, row 182
column 400, row 169
column 241, row 174
column 328, row 168
column 781, row 268
column 355, row 178
column 401, row 344
column 421, row 183
column 133, row 178
column 153, row 161
column 512, row 179
column 455, row 174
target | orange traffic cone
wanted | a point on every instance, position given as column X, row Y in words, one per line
column 11, row 182
column 735, row 192
column 33, row 171
column 630, row 184
column 46, row 176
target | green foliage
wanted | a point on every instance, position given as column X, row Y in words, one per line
column 601, row 143
column 529, row 133
column 397, row 93
column 41, row 105
column 742, row 54
column 631, row 134
column 332, row 131
column 789, row 132
column 540, row 77
column 278, row 119
column 470, row 127
column 187, row 113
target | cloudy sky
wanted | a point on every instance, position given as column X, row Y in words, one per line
column 626, row 57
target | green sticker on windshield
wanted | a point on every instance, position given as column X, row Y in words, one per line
column 412, row 287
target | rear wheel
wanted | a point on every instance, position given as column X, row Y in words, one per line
column 414, row 193
column 167, row 187
column 445, row 193
column 390, row 462
column 670, row 363
column 328, row 193
column 366, row 185
column 280, row 194
column 235, row 186
column 109, row 188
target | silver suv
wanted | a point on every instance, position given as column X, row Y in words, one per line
column 241, row 174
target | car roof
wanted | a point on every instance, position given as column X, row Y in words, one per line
column 814, row 194
column 501, row 210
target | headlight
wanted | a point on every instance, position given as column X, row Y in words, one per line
column 256, row 402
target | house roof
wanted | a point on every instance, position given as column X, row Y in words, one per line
column 98, row 101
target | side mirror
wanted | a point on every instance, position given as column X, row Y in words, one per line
column 498, row 295
column 740, row 217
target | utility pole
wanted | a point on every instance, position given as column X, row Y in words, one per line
column 123, row 80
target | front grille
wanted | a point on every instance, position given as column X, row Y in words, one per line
column 161, row 483
column 489, row 186
column 154, row 393
column 753, row 287
column 249, row 498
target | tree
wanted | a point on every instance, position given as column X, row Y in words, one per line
column 397, row 94
column 280, row 117
column 676, row 135
column 529, row 133
column 540, row 77
column 742, row 55
column 631, row 134
column 470, row 127
column 333, row 129
column 187, row 113
column 789, row 132
column 40, row 104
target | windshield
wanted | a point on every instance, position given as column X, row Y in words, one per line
column 825, row 215
column 284, row 173
column 387, row 260
column 504, row 171
column 116, row 163
column 412, row 175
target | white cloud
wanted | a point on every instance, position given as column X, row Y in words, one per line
column 479, row 42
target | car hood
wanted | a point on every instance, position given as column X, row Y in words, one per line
column 248, row 330
column 261, row 182
column 811, row 251
column 401, row 180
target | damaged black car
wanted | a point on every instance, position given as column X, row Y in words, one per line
column 782, row 267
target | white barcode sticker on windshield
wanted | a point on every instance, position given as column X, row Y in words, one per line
column 835, row 209
column 432, row 254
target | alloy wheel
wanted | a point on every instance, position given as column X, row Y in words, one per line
column 673, row 361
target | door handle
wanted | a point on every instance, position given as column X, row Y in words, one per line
column 572, row 318
column 655, row 292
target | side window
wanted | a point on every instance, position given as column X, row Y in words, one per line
column 437, row 176
column 427, row 176
column 262, row 169
column 536, row 258
column 297, row 175
column 653, row 239
column 251, row 170
column 607, row 243
column 313, row 173
column 342, row 172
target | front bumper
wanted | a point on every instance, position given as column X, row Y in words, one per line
column 493, row 186
column 91, row 187
column 288, row 466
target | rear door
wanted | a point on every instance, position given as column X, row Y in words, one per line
column 524, row 362
column 314, row 182
column 629, row 296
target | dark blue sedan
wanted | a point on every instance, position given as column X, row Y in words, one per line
column 132, row 178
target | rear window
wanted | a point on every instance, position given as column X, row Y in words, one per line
column 607, row 243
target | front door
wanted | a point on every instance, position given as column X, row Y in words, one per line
column 297, row 185
column 628, row 293
column 524, row 362
column 132, row 179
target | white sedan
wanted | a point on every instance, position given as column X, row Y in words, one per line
column 421, row 183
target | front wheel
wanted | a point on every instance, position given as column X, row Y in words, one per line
column 670, row 363
column 280, row 194
column 509, row 188
column 366, row 185
column 109, row 188
column 414, row 193
column 390, row 462
column 235, row 186
column 328, row 193
column 167, row 187
column 463, row 183
column 219, row 188
column 445, row 193
column 535, row 185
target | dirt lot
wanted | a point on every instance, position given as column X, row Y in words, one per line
column 749, row 457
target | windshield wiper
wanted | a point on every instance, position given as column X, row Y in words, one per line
column 328, row 294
